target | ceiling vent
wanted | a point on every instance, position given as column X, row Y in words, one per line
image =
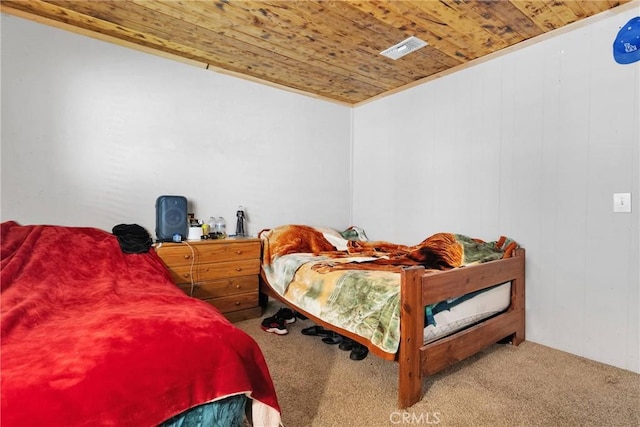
column 403, row 48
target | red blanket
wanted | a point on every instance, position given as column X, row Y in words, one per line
column 92, row 336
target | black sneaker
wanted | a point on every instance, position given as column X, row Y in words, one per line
column 287, row 315
column 274, row 325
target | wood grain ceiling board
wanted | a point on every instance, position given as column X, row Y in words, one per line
column 325, row 49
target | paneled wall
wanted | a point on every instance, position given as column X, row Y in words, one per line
column 93, row 133
column 531, row 145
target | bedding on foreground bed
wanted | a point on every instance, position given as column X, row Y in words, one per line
column 93, row 336
column 354, row 284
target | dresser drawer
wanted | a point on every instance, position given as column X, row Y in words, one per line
column 221, row 288
column 235, row 302
column 219, row 270
column 206, row 253
column 223, row 273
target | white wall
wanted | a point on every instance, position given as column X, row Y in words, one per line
column 531, row 145
column 93, row 133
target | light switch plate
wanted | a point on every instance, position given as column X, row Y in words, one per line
column 622, row 202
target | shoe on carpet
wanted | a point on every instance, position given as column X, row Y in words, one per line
column 332, row 339
column 287, row 315
column 316, row 331
column 358, row 352
column 274, row 325
column 347, row 344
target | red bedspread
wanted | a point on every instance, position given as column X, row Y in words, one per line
column 92, row 336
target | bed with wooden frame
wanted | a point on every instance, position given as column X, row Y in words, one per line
column 421, row 287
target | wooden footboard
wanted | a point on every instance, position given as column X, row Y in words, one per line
column 420, row 288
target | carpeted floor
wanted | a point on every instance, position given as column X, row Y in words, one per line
column 528, row 385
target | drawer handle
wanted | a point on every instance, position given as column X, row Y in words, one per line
column 186, row 275
column 237, row 302
column 187, row 256
column 238, row 286
column 239, row 252
column 238, row 269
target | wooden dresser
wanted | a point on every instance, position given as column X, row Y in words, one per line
column 222, row 272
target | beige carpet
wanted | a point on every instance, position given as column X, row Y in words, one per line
column 529, row 385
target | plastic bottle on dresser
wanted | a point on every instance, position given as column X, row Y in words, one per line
column 212, row 227
column 220, row 228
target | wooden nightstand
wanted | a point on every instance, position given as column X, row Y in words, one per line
column 222, row 272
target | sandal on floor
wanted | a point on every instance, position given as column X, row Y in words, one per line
column 347, row 344
column 332, row 339
column 358, row 352
column 316, row 331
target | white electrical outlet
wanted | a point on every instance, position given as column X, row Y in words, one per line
column 622, row 202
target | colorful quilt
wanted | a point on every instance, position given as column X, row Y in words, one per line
column 93, row 336
column 354, row 283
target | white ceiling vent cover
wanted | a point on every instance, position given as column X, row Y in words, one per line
column 403, row 48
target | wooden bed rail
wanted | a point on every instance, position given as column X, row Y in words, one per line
column 420, row 288
column 442, row 285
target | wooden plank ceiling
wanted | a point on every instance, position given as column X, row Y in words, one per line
column 326, row 49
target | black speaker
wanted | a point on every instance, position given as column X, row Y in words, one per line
column 171, row 218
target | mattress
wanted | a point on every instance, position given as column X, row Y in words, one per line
column 469, row 312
